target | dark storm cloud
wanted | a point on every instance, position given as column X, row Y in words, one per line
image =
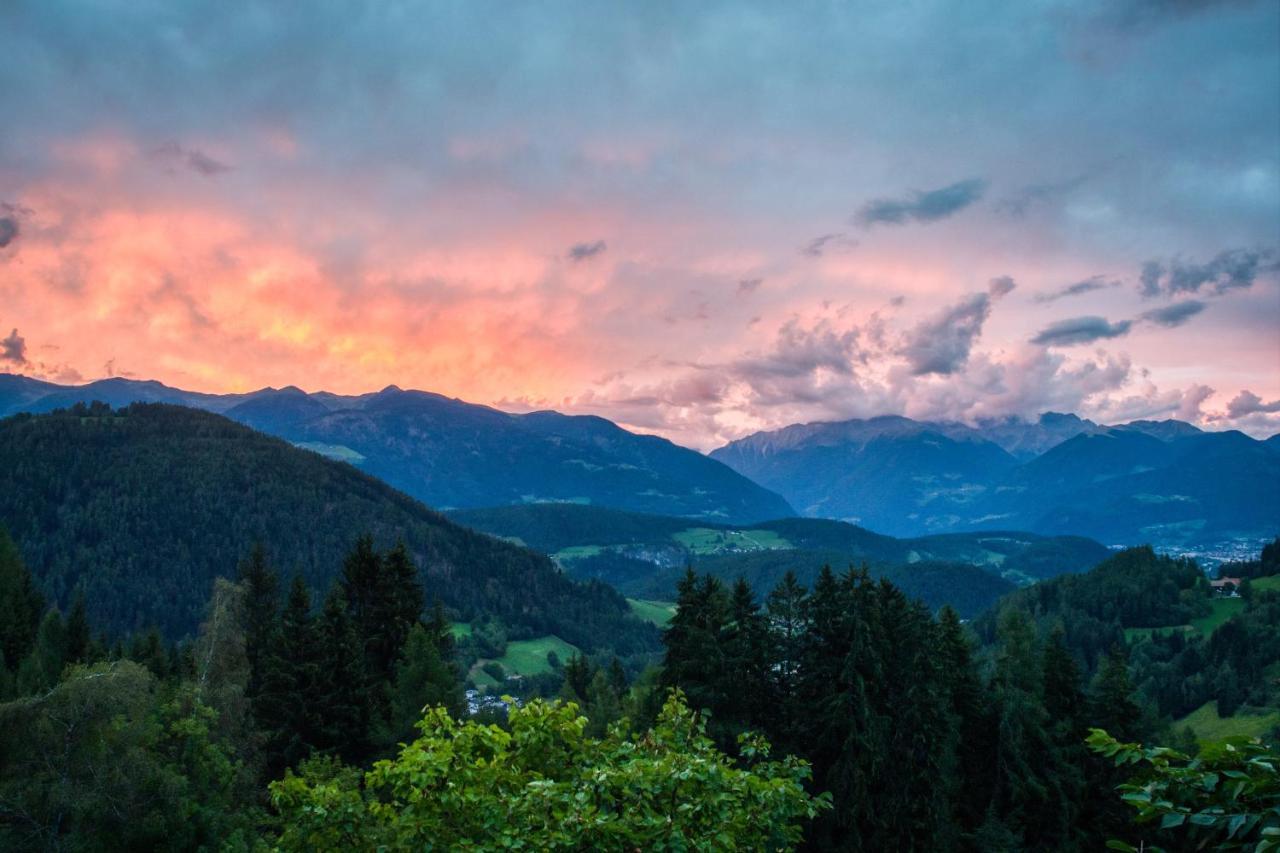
column 1080, row 330
column 928, row 206
column 1230, row 270
column 1089, row 285
column 13, row 348
column 584, row 251
column 941, row 344
column 1173, row 315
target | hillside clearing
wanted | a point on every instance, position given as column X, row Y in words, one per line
column 656, row 612
column 1207, row 725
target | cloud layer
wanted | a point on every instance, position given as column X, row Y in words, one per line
column 645, row 212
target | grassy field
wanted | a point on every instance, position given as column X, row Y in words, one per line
column 657, row 612
column 577, row 552
column 1223, row 609
column 704, row 540
column 525, row 657
column 333, row 451
column 1270, row 584
column 1207, row 725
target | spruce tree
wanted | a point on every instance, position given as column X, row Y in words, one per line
column 79, row 637
column 971, row 783
column 1064, row 703
column 405, row 600
column 261, row 613
column 284, row 707
column 42, row 668
column 694, row 659
column 786, row 607
column 341, row 697
column 1024, row 788
column 423, row 679
column 20, row 603
column 747, row 661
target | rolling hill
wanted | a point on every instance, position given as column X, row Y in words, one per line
column 448, row 453
column 142, row 508
column 645, row 555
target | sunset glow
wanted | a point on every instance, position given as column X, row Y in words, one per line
column 677, row 225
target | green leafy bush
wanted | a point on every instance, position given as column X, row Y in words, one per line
column 547, row 785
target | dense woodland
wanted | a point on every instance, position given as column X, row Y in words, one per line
column 93, row 498
column 283, row 721
column 927, row 739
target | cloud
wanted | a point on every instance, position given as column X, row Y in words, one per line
column 171, row 154
column 748, row 286
column 927, row 206
column 585, row 251
column 13, row 348
column 941, row 344
column 1192, row 399
column 1248, row 403
column 1138, row 16
column 1229, row 270
column 1019, row 204
column 8, row 230
column 1080, row 330
column 1089, row 285
column 818, row 246
column 1173, row 315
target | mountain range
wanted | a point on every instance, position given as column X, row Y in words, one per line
column 1165, row 482
column 452, row 454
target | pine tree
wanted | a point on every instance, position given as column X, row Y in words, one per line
column 747, row 661
column 971, row 783
column 79, row 637
column 341, row 698
column 20, row 603
column 577, row 678
column 1111, row 703
column 423, row 679
column 406, row 600
column 149, row 650
column 291, row 674
column 261, row 613
column 694, row 659
column 603, row 706
column 1025, row 792
column 786, row 607
column 1064, row 703
column 42, row 668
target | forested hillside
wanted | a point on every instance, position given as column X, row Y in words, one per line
column 450, row 453
column 644, row 556
column 927, row 741
column 140, row 509
column 1187, row 645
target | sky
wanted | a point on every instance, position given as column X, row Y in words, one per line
column 697, row 219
